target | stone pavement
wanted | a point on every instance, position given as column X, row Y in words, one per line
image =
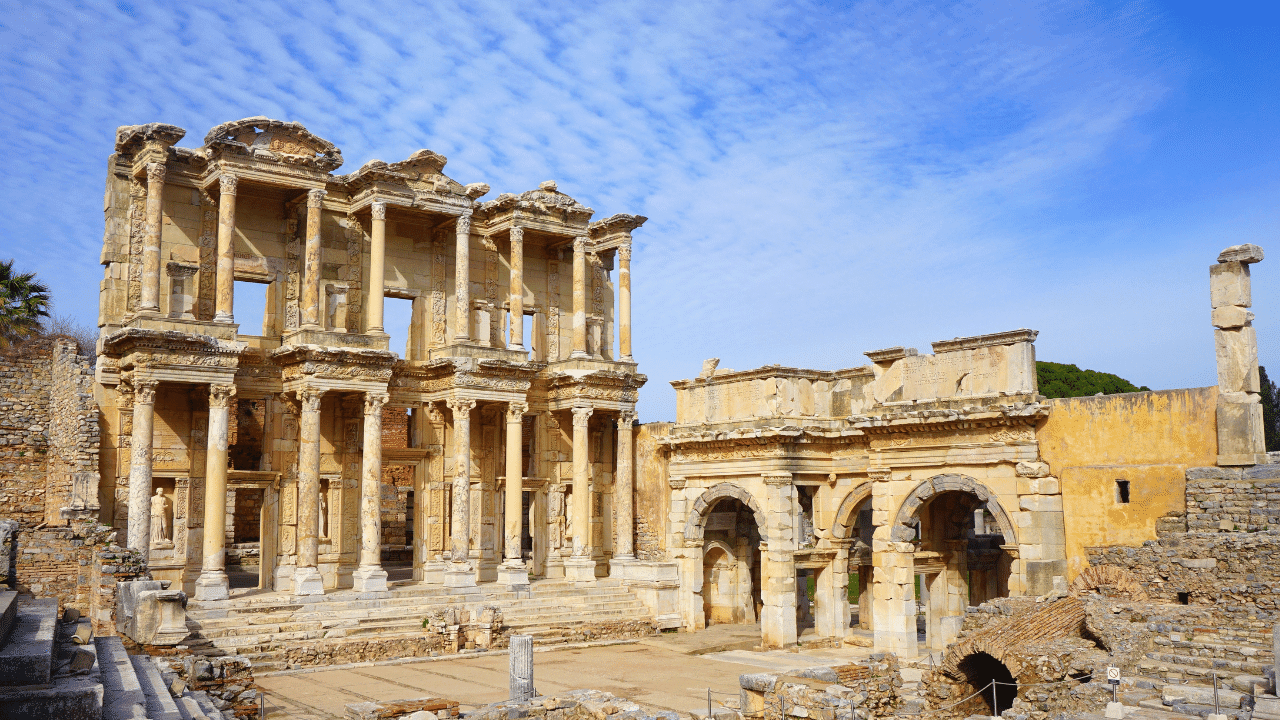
column 670, row 672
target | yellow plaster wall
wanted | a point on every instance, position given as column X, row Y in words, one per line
column 1147, row 438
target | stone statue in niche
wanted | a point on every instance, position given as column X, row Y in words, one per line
column 555, row 517
column 160, row 525
column 322, row 524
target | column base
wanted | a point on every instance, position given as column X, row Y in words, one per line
column 307, row 581
column 581, row 571
column 433, row 573
column 579, row 355
column 620, row 567
column 515, row 576
column 212, row 585
column 459, row 575
column 369, row 579
column 223, row 318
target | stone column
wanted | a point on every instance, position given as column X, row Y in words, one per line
column 1239, row 412
column 212, row 583
column 311, row 285
column 893, row 573
column 462, row 279
column 370, row 577
column 144, row 407
column 149, row 301
column 624, row 303
column 460, row 573
column 579, row 298
column 522, row 667
column 517, row 290
column 306, row 577
column 623, row 494
column 377, row 266
column 777, row 561
column 581, row 567
column 225, row 295
column 513, row 572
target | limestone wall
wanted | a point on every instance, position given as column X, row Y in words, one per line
column 1148, row 439
column 653, row 494
column 25, row 385
column 1229, row 498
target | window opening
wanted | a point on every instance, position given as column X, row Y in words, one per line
column 1122, row 492
column 397, row 317
column 250, row 306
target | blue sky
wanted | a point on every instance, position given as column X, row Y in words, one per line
column 821, row 179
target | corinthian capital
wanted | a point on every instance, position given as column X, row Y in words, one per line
column 626, row 418
column 310, row 399
column 373, row 402
column 144, row 391
column 315, row 198
column 624, row 253
column 581, row 415
column 156, row 172
column 379, row 210
column 461, row 406
column 227, row 184
column 464, row 223
column 220, row 395
column 580, row 244
column 517, row 235
column 516, row 411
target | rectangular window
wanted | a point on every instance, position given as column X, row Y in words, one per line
column 397, row 316
column 1122, row 492
column 249, row 306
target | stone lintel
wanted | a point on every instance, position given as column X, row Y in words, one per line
column 1009, row 337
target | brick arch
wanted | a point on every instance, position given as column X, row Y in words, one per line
column 1007, row 640
column 843, row 524
column 1123, row 582
column 696, row 524
column 952, row 482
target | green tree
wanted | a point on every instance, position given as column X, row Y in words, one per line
column 1058, row 380
column 1269, row 402
column 24, row 302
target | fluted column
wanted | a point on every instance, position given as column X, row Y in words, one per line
column 370, row 577
column 311, row 285
column 580, row 567
column 517, row 290
column 377, row 266
column 462, row 279
column 513, row 572
column 623, row 489
column 579, row 298
column 225, row 295
column 144, row 407
column 306, row 577
column 149, row 302
column 212, row 583
column 624, row 302
column 460, row 573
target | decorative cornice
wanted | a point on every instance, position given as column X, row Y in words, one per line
column 1009, row 337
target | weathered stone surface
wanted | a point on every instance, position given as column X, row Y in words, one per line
column 1247, row 253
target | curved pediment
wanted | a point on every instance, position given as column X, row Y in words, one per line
column 546, row 199
column 275, row 140
column 131, row 137
column 423, row 169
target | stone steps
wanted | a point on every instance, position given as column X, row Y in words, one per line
column 1247, row 652
column 1224, row 666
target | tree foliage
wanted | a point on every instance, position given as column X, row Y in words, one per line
column 1058, row 380
column 1270, row 400
column 24, row 302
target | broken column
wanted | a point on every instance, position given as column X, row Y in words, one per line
column 1240, row 433
column 521, row 667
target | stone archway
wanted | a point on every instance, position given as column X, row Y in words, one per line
column 696, row 524
column 1109, row 580
column 845, row 519
column 938, row 484
column 859, row 564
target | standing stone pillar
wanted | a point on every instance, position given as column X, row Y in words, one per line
column 581, row 567
column 513, row 572
column 893, row 573
column 1240, row 429
column 212, row 583
column 306, row 577
column 579, row 298
column 149, row 301
column 462, row 279
column 377, row 266
column 778, row 572
column 624, row 549
column 225, row 291
column 517, row 290
column 522, row 667
column 624, row 303
column 311, row 285
column 144, row 408
column 370, row 577
column 460, row 573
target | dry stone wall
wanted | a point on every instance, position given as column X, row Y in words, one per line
column 1228, row 498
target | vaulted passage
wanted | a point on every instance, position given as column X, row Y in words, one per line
column 980, row 669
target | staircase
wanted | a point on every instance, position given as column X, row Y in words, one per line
column 45, row 675
column 1187, row 654
column 262, row 627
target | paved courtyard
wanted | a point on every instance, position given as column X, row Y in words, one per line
column 669, row 672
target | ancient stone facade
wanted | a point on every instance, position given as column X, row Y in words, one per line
column 518, row 365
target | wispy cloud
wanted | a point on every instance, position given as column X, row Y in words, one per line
column 821, row 180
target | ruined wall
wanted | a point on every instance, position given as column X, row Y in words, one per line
column 653, row 494
column 1233, row 498
column 1149, row 439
